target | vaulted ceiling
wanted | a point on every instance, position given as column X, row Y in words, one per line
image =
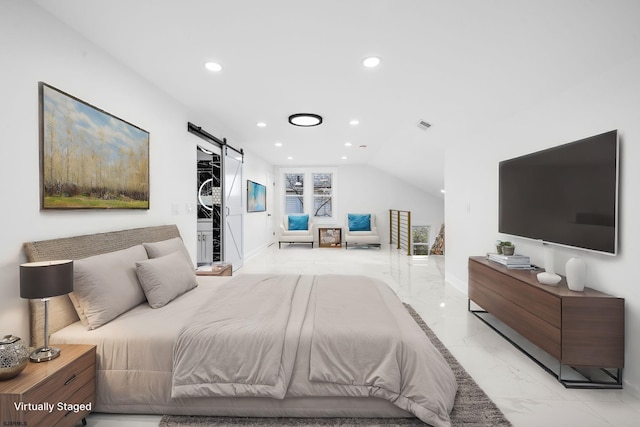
column 454, row 64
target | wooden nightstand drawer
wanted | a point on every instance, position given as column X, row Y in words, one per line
column 62, row 381
column 76, row 409
column 57, row 392
column 62, row 391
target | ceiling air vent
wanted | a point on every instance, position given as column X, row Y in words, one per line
column 423, row 125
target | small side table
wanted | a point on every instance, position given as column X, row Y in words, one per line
column 215, row 270
column 59, row 392
column 330, row 237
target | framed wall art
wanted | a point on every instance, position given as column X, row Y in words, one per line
column 89, row 159
column 256, row 197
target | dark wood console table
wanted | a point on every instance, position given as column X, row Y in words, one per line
column 581, row 330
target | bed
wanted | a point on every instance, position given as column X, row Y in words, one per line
column 251, row 345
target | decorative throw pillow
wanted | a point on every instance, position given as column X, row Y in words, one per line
column 359, row 222
column 299, row 222
column 165, row 278
column 166, row 247
column 105, row 286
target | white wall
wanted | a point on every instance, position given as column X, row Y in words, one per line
column 256, row 231
column 35, row 47
column 605, row 102
column 40, row 48
column 366, row 189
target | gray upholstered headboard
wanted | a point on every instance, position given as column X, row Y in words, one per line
column 61, row 310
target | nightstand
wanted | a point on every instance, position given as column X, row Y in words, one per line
column 59, row 392
column 215, row 270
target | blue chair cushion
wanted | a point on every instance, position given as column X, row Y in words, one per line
column 359, row 222
column 298, row 222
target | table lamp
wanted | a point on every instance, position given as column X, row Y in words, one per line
column 43, row 280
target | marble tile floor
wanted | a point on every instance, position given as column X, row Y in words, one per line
column 526, row 394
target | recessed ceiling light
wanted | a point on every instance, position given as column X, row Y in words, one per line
column 289, row 158
column 442, row 191
column 305, row 119
column 344, row 157
column 213, row 66
column 371, row 61
column 354, row 122
column 261, row 124
column 347, row 144
column 363, row 146
column 278, row 144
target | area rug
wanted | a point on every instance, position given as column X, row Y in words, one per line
column 472, row 407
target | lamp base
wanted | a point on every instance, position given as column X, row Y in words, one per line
column 44, row 354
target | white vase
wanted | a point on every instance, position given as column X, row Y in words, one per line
column 576, row 271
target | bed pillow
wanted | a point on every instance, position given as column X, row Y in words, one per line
column 166, row 247
column 359, row 222
column 106, row 285
column 165, row 278
column 299, row 222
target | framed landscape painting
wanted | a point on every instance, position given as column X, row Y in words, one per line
column 256, row 197
column 89, row 159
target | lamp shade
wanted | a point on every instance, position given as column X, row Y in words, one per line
column 46, row 279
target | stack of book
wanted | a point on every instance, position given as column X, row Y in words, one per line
column 511, row 261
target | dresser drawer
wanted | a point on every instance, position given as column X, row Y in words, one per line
column 530, row 298
column 536, row 330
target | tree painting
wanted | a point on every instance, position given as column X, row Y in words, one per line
column 89, row 158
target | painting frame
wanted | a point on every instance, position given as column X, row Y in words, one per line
column 89, row 158
column 256, row 197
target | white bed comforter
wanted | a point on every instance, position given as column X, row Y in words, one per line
column 348, row 335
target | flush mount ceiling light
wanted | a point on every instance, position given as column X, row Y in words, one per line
column 371, row 62
column 213, row 66
column 305, row 119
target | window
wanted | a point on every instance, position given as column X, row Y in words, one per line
column 294, row 193
column 420, row 239
column 313, row 191
column 322, row 194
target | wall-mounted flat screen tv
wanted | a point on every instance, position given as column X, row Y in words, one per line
column 566, row 195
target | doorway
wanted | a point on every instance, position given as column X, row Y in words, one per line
column 220, row 213
column 209, row 207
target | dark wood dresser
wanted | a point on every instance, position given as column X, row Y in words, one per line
column 579, row 329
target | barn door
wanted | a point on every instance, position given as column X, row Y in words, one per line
column 232, row 208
